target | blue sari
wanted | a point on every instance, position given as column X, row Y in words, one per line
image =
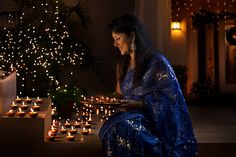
column 163, row 129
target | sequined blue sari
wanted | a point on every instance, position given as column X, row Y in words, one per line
column 163, row 129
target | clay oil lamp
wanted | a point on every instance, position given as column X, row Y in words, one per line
column 23, row 106
column 70, row 137
column 73, row 130
column 33, row 113
column 20, row 113
column 50, row 136
column 90, row 120
column 53, row 131
column 10, row 113
column 77, row 124
column 63, row 130
column 67, row 124
column 85, row 131
column 14, row 106
column 18, row 100
column 36, row 107
column 28, row 100
column 87, row 125
column 38, row 100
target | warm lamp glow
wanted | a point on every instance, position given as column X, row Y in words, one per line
column 175, row 25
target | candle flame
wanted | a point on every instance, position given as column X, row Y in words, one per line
column 49, row 133
column 32, row 110
column 20, row 110
column 35, row 104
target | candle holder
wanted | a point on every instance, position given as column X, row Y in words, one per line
column 18, row 100
column 32, row 113
column 28, row 100
column 63, row 130
column 87, row 125
column 67, row 124
column 20, row 113
column 50, row 137
column 73, row 131
column 77, row 124
column 10, row 113
column 90, row 120
column 23, row 106
column 85, row 131
column 70, row 137
column 36, row 107
column 38, row 100
column 14, row 106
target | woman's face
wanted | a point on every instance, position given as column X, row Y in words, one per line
column 122, row 41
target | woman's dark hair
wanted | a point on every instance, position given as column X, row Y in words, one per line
column 144, row 49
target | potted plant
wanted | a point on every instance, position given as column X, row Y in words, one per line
column 64, row 98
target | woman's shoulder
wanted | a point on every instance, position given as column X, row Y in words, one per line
column 159, row 61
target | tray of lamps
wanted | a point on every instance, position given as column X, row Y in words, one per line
column 101, row 100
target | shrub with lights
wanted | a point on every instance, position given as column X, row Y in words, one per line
column 38, row 46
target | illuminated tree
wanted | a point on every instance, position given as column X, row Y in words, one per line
column 39, row 46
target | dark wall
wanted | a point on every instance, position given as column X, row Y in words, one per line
column 98, row 38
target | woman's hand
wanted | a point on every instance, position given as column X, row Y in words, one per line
column 128, row 105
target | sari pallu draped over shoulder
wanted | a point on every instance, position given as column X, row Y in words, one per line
column 164, row 129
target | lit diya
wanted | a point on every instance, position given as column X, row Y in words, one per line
column 87, row 125
column 36, row 107
column 63, row 130
column 70, row 137
column 50, row 136
column 85, row 131
column 18, row 100
column 38, row 100
column 33, row 113
column 53, row 131
column 10, row 113
column 67, row 124
column 20, row 113
column 14, row 106
column 73, row 130
column 23, row 106
column 28, row 100
column 77, row 124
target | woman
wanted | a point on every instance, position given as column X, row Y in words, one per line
column 154, row 120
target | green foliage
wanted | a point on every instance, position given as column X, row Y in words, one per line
column 64, row 95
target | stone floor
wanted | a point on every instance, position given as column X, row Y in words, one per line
column 214, row 127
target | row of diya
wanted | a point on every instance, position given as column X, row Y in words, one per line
column 21, row 113
column 23, row 107
column 28, row 100
column 68, row 127
column 100, row 100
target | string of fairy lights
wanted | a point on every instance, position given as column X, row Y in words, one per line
column 187, row 8
column 37, row 48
